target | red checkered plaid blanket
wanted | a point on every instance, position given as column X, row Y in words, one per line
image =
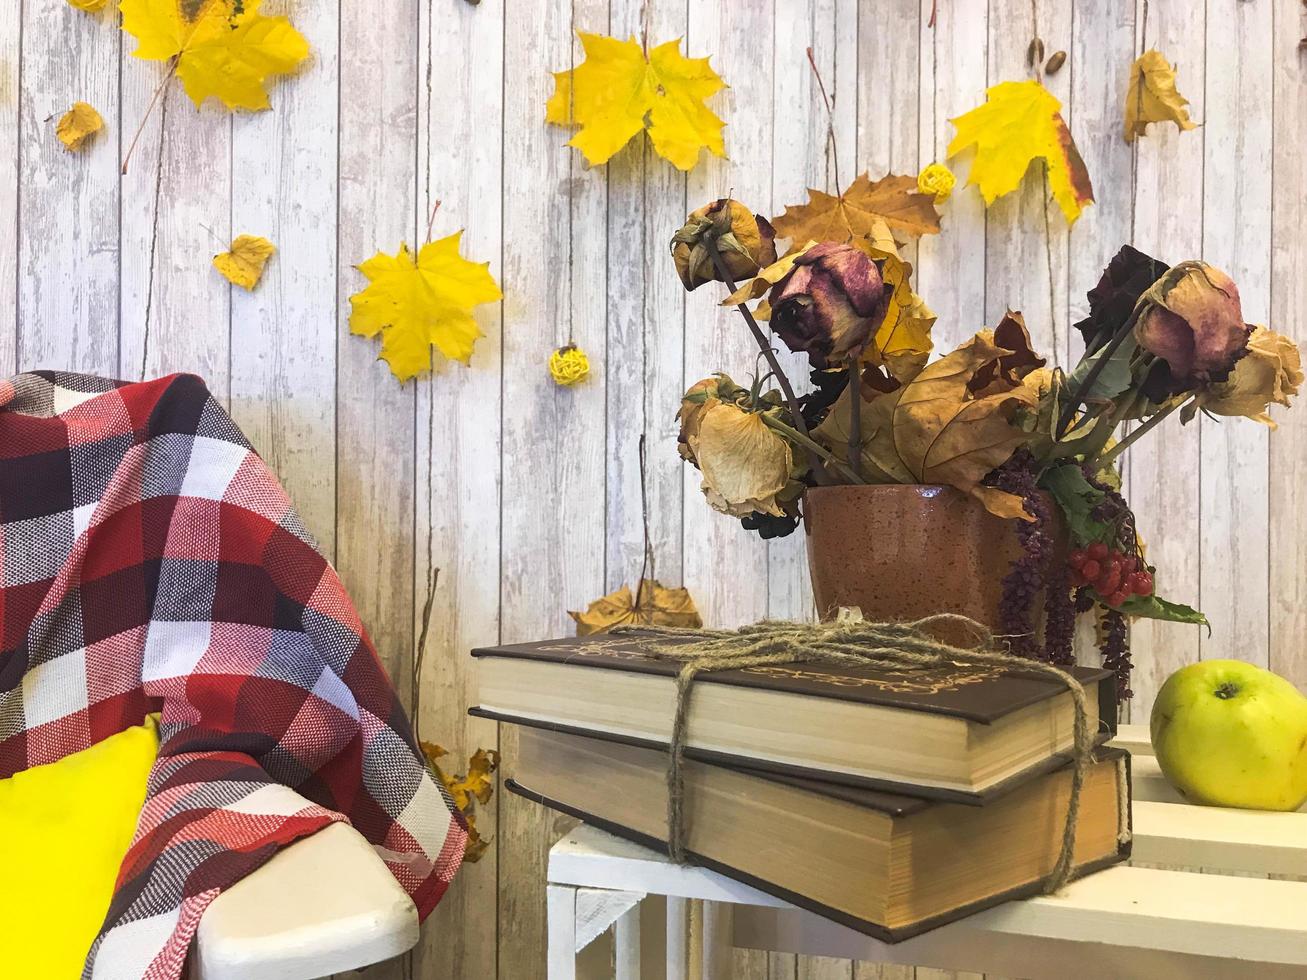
column 150, row 561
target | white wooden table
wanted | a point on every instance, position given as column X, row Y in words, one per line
column 1219, row 917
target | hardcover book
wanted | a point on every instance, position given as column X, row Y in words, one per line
column 956, row 733
column 887, row 865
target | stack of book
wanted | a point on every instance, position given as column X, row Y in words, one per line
column 890, row 801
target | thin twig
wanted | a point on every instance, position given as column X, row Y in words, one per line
column 172, row 70
column 154, row 241
column 830, row 126
column 647, row 563
column 431, row 222
column 433, row 573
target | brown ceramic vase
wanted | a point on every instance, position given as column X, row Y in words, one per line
column 901, row 552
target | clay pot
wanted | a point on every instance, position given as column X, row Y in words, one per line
column 901, row 552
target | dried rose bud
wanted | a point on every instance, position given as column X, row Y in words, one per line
column 1192, row 320
column 830, row 304
column 1269, row 374
column 746, row 242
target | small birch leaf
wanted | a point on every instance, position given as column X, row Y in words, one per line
column 243, row 264
column 77, row 125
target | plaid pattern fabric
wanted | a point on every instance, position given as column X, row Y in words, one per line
column 150, row 561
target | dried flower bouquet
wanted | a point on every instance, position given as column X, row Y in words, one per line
column 990, row 418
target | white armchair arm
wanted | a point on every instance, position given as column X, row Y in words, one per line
column 322, row 905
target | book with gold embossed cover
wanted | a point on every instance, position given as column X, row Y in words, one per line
column 954, row 733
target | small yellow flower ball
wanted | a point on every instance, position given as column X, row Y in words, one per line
column 569, row 365
column 938, row 180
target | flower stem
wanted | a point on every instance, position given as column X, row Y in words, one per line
column 710, row 243
column 1104, row 355
column 855, row 417
column 813, row 447
column 1133, row 436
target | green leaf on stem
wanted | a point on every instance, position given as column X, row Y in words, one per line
column 1077, row 498
column 1112, row 379
column 1152, row 607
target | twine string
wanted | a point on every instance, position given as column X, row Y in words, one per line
column 847, row 641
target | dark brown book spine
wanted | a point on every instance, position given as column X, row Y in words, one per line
column 981, row 695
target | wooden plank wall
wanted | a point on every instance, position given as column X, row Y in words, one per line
column 520, row 499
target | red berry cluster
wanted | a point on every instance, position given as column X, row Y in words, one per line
column 1114, row 575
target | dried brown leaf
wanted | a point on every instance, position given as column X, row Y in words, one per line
column 477, row 785
column 893, row 200
column 657, row 606
column 1152, row 96
column 945, row 433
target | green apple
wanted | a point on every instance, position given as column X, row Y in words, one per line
column 1228, row 733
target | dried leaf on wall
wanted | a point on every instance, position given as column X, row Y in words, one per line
column 1021, row 122
column 78, row 125
column 467, row 790
column 612, row 93
column 894, row 201
column 415, row 303
column 657, row 606
column 243, row 264
column 1152, row 96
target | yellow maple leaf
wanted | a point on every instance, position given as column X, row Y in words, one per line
column 78, row 124
column 90, row 6
column 902, row 341
column 893, row 201
column 1152, row 96
column 1021, row 122
column 243, row 264
column 223, row 48
column 615, row 92
column 414, row 304
column 657, row 606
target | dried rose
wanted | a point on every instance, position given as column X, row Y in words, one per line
column 745, row 464
column 694, row 406
column 830, row 304
column 1192, row 320
column 1269, row 374
column 1127, row 277
column 746, row 242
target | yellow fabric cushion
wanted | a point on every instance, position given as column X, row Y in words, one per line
column 64, row 831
